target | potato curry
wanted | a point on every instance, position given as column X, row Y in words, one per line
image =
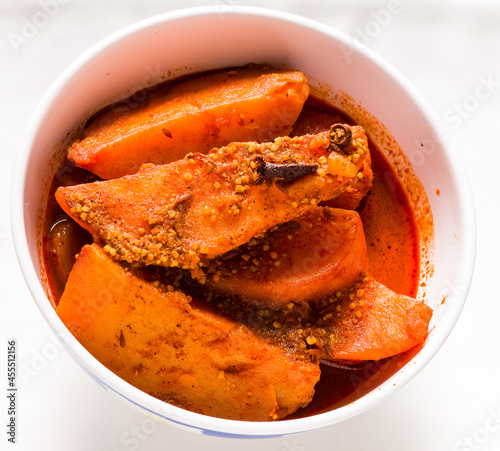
column 214, row 245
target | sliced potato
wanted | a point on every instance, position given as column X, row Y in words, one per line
column 174, row 348
column 193, row 115
column 371, row 322
column 321, row 252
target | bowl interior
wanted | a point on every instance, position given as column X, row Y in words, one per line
column 352, row 78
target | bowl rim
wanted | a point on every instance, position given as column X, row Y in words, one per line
column 169, row 413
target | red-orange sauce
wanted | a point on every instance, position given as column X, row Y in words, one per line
column 390, row 231
column 393, row 249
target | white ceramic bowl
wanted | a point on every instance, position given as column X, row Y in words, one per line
column 352, row 77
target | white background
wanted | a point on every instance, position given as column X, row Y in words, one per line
column 450, row 50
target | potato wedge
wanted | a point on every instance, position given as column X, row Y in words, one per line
column 174, row 348
column 371, row 322
column 192, row 115
column 317, row 254
column 197, row 208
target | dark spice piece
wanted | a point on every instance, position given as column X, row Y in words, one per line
column 340, row 136
column 290, row 225
column 122, row 339
column 293, row 171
